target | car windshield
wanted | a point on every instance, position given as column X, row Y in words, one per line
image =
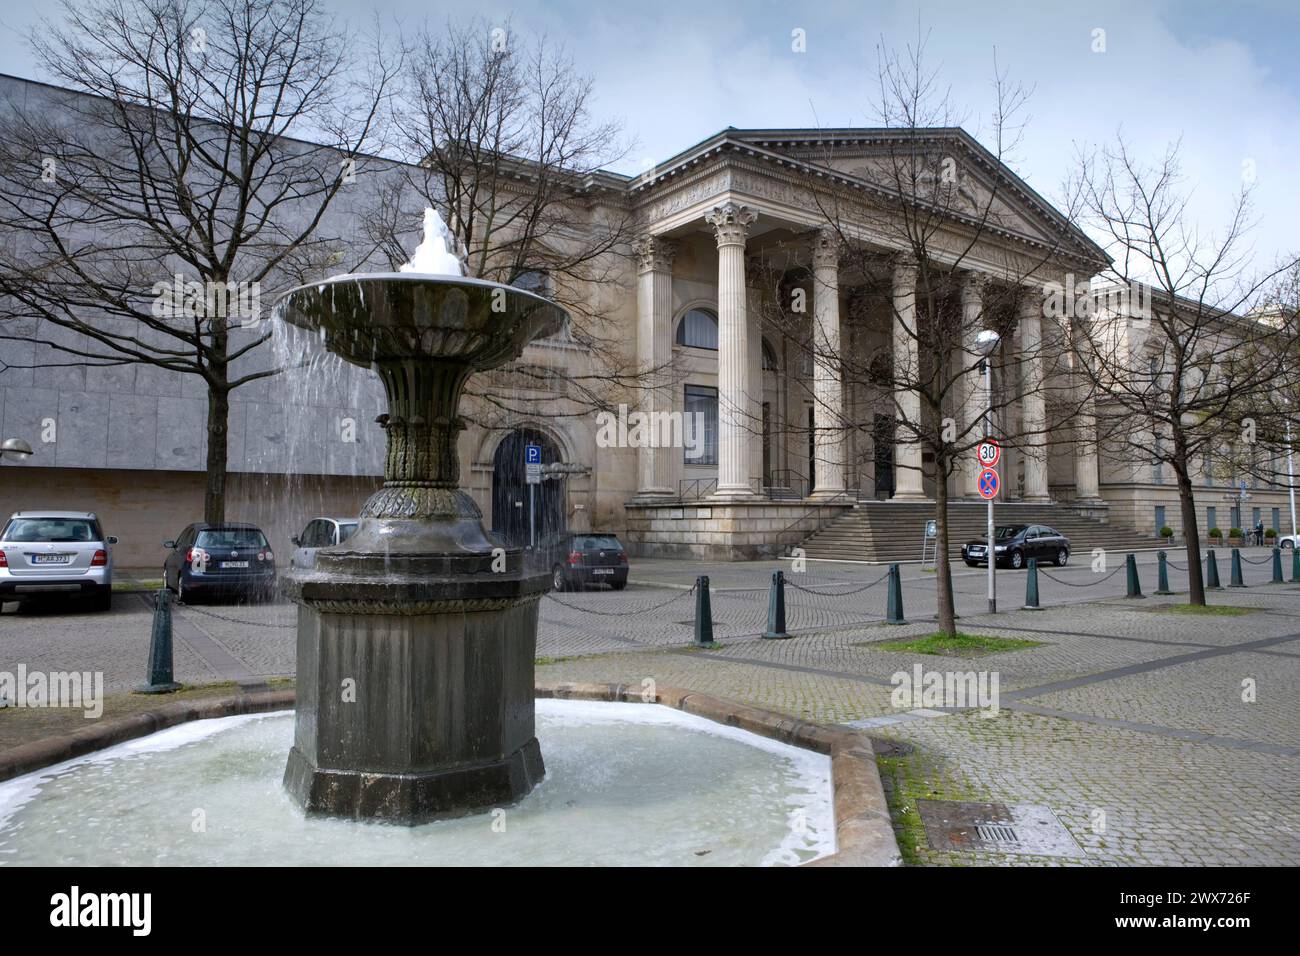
column 345, row 530
column 1008, row 531
column 231, row 538
column 51, row 529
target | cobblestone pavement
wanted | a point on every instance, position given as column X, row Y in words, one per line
column 1131, row 721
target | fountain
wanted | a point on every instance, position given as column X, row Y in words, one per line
column 417, row 636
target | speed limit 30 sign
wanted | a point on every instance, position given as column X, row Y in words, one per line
column 988, row 452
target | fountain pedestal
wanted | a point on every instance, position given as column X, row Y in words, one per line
column 417, row 636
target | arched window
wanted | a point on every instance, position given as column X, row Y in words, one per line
column 698, row 329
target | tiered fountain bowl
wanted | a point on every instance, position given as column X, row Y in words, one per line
column 417, row 636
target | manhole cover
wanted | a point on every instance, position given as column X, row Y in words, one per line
column 1027, row 828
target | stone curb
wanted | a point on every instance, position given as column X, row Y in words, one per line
column 864, row 833
column 38, row 754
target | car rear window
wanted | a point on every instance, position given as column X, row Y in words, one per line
column 231, row 538
column 599, row 541
column 52, row 529
column 345, row 531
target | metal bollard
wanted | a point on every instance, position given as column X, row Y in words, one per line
column 1162, row 574
column 1134, row 585
column 1295, row 565
column 160, row 679
column 776, row 608
column 1031, row 587
column 1212, row 572
column 1277, row 566
column 703, row 611
column 894, row 599
column 1236, row 581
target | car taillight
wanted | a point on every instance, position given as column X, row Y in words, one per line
column 189, row 556
column 99, row 560
column 622, row 557
column 265, row 555
column 4, row 562
column 575, row 558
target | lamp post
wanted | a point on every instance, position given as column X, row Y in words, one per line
column 1290, row 477
column 985, row 343
column 15, row 449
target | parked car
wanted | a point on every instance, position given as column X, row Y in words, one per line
column 319, row 533
column 1015, row 544
column 52, row 554
column 228, row 560
column 1287, row 540
column 577, row 560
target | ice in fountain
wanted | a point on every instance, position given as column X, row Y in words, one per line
column 433, row 256
column 416, row 642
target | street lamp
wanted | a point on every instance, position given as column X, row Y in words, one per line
column 985, row 343
column 15, row 449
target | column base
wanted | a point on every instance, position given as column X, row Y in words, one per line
column 910, row 496
column 1036, row 499
column 822, row 494
column 734, row 494
column 413, row 798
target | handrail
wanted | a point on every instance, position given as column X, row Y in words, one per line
column 849, row 496
column 698, row 484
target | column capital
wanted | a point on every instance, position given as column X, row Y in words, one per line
column 905, row 268
column 826, row 248
column 973, row 284
column 730, row 223
column 654, row 253
column 1030, row 305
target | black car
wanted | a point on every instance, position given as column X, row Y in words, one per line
column 576, row 560
column 227, row 560
column 1015, row 544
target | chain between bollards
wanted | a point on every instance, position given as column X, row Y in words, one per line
column 776, row 609
column 160, row 679
column 703, row 612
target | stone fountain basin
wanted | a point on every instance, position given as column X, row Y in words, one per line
column 375, row 316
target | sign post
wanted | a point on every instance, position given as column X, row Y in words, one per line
column 533, row 475
column 989, row 483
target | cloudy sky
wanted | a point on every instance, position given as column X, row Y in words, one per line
column 1219, row 75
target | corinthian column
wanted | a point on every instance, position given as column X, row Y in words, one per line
column 907, row 452
column 731, row 222
column 828, row 390
column 1034, row 403
column 658, row 466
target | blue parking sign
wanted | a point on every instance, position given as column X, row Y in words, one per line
column 532, row 454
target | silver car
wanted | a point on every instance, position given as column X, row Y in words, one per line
column 319, row 533
column 56, row 554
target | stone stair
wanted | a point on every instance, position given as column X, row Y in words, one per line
column 889, row 531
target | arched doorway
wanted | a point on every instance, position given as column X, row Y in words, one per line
column 513, row 507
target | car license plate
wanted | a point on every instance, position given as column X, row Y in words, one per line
column 602, row 570
column 976, row 551
column 51, row 558
column 234, row 564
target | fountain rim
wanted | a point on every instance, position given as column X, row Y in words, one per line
column 425, row 278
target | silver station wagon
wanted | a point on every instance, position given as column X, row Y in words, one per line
column 56, row 555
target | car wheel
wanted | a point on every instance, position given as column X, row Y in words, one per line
column 557, row 579
column 180, row 589
column 618, row 585
column 1062, row 556
column 1288, row 544
column 1017, row 560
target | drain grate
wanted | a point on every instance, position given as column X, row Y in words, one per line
column 994, row 833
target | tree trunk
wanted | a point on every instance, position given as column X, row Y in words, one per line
column 1192, row 534
column 214, row 493
column 942, row 567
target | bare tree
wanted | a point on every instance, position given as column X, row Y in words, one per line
column 190, row 161
column 498, row 134
column 936, row 209
column 1186, row 382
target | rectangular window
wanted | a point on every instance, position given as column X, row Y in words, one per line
column 703, row 401
column 1160, row 517
column 1211, row 517
column 1255, row 515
